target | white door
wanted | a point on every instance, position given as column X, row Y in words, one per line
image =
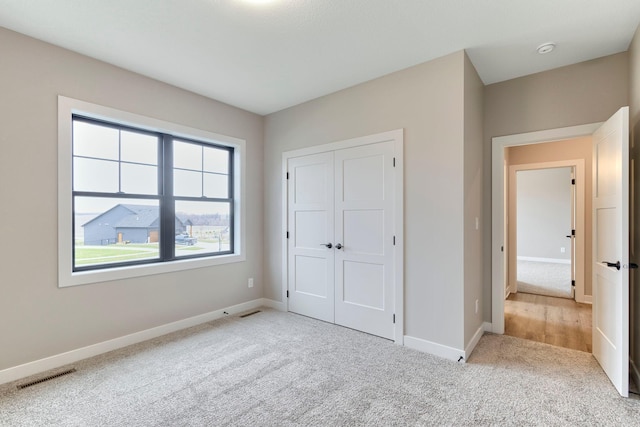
column 364, row 201
column 311, row 230
column 340, row 246
column 611, row 249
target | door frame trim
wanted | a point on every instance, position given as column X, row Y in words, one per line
column 580, row 213
column 397, row 136
column 498, row 208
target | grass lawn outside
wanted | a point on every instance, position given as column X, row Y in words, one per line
column 87, row 255
column 94, row 255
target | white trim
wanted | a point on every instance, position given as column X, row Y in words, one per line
column 399, row 235
column 392, row 135
column 508, row 291
column 66, row 277
column 58, row 360
column 549, row 260
column 285, row 230
column 487, row 327
column 586, row 299
column 276, row 305
column 397, row 136
column 474, row 341
column 434, row 348
column 498, row 205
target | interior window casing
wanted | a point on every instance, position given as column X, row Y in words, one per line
column 175, row 251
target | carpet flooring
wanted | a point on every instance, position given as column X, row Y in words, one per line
column 281, row 369
column 544, row 278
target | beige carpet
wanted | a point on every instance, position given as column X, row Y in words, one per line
column 544, row 278
column 280, row 369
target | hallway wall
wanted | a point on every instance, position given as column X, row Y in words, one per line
column 543, row 201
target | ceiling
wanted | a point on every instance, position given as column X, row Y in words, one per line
column 269, row 56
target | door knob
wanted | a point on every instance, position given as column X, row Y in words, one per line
column 612, row 264
column 339, row 246
column 328, row 245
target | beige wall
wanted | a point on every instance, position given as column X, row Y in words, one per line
column 543, row 212
column 588, row 92
column 579, row 148
column 427, row 102
column 473, row 237
column 38, row 319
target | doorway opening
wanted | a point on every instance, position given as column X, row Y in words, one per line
column 500, row 171
column 547, row 292
column 547, row 227
column 544, row 231
column 609, row 258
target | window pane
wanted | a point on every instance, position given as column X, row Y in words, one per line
column 110, row 230
column 187, row 156
column 216, row 160
column 187, row 183
column 216, row 186
column 95, row 175
column 202, row 228
column 139, row 148
column 139, row 179
column 92, row 140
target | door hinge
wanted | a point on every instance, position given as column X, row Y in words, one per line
column 287, row 234
column 501, row 248
column 573, row 283
column 394, row 318
column 394, row 162
column 287, row 175
column 287, row 294
column 394, row 240
column 573, row 181
column 573, row 232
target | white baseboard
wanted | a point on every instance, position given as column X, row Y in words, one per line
column 276, row 305
column 586, row 299
column 58, row 360
column 445, row 351
column 434, row 348
column 487, row 327
column 551, row 260
column 474, row 341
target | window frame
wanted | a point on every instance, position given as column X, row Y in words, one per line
column 69, row 107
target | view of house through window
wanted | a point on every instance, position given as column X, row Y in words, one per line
column 143, row 197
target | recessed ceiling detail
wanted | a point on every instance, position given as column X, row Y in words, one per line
column 264, row 59
column 546, row 48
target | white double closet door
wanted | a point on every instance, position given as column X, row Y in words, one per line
column 340, row 246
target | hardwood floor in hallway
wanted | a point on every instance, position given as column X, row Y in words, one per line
column 556, row 321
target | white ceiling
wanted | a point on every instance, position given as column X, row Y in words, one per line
column 267, row 57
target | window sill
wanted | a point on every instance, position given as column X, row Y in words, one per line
column 128, row 272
